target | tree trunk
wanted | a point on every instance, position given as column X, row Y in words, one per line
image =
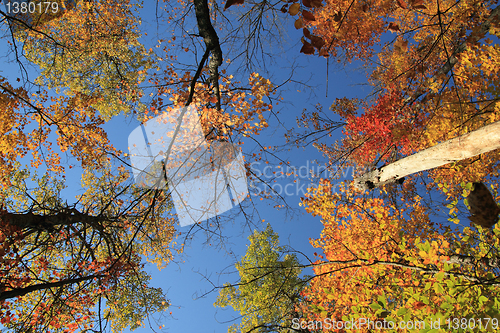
column 480, row 141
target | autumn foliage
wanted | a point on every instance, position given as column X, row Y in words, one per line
column 403, row 252
column 408, row 251
column 389, row 261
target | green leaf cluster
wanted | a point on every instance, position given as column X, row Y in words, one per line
column 269, row 286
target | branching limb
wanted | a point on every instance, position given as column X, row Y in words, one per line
column 211, row 40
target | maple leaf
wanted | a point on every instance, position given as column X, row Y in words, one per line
column 229, row 3
column 298, row 23
column 294, row 9
column 419, row 305
column 337, row 17
column 308, row 15
column 393, row 27
column 312, row 3
column 307, row 48
column 418, row 4
column 401, row 4
column 324, row 53
column 317, row 3
column 306, row 32
column 317, row 42
column 401, row 45
column 307, row 3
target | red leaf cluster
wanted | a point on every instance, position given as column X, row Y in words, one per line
column 375, row 130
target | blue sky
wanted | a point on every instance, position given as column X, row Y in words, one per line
column 184, row 280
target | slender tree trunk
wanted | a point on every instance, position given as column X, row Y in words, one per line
column 212, row 44
column 469, row 145
column 49, row 221
column 17, row 292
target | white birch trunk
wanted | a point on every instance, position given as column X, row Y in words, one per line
column 480, row 141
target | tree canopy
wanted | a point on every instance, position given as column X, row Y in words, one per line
column 396, row 250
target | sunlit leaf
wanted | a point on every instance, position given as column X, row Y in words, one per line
column 308, row 15
column 298, row 23
column 307, row 48
column 294, row 9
